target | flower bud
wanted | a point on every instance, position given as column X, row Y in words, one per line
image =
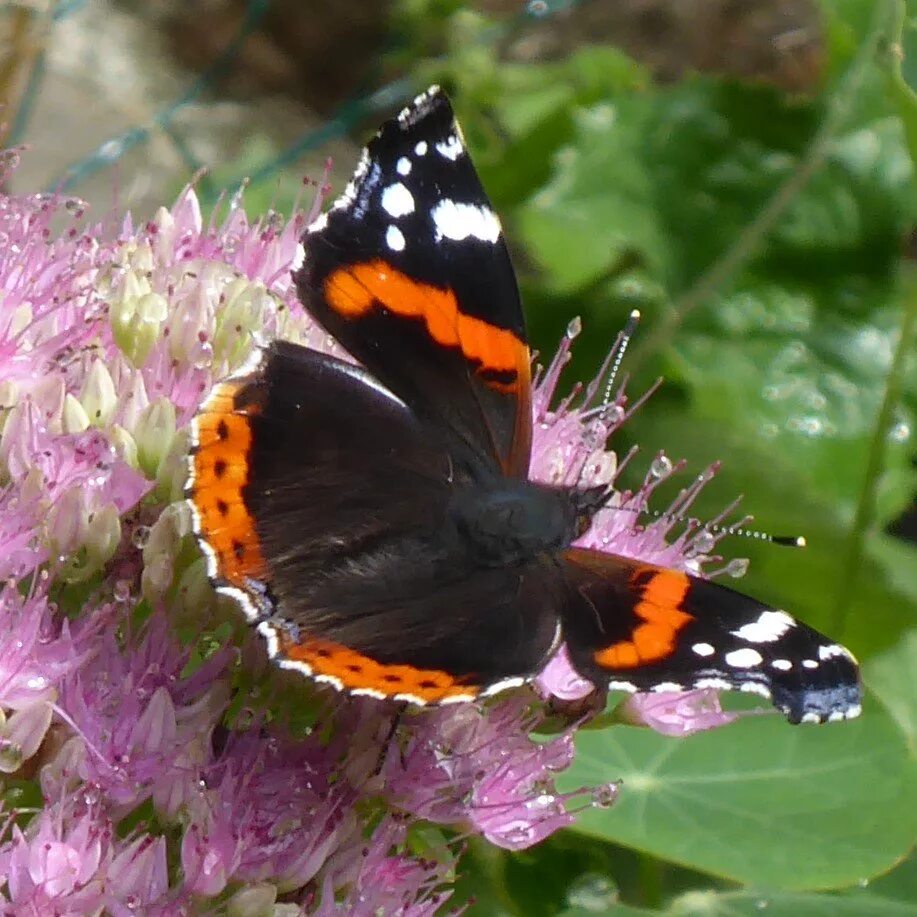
column 98, row 397
column 153, row 433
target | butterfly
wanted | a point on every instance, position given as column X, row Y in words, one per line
column 376, row 522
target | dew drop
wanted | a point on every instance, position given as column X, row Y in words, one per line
column 574, row 328
column 661, row 466
column 703, row 543
column 737, row 567
column 604, row 796
column 11, row 757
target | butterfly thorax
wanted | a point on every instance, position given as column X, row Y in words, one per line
column 512, row 522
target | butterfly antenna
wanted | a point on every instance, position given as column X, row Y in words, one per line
column 740, row 531
column 630, row 326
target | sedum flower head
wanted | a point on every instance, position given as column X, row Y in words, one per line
column 128, row 695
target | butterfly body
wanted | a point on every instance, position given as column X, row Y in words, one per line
column 377, row 523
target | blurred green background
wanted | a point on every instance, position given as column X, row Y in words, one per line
column 742, row 172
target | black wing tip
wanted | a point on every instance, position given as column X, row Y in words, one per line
column 841, row 701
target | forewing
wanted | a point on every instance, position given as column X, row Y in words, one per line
column 638, row 627
column 410, row 272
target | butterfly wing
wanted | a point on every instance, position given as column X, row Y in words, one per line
column 409, row 271
column 637, row 627
column 321, row 503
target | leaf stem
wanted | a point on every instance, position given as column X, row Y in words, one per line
column 750, row 238
column 875, row 461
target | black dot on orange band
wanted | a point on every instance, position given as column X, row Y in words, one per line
column 238, row 549
column 223, row 430
column 324, row 654
column 219, row 468
column 354, row 668
column 222, row 507
column 391, row 679
column 427, row 683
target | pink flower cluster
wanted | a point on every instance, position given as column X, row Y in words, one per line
column 168, row 776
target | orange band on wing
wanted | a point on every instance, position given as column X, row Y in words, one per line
column 354, row 291
column 356, row 671
column 659, row 608
column 220, row 465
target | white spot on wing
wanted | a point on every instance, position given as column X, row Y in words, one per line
column 703, row 649
column 459, row 221
column 744, row 658
column 420, row 148
column 784, row 665
column 833, row 651
column 667, row 686
column 503, row 685
column 622, row 686
column 810, row 717
column 451, row 147
column 397, row 201
column 809, row 664
column 332, row 680
column 394, row 239
column 403, row 166
column 718, row 684
column 300, row 256
column 368, row 692
column 770, row 626
column 317, row 225
column 269, row 632
column 755, row 687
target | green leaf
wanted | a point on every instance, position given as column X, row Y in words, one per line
column 893, row 895
column 892, row 676
column 761, row 801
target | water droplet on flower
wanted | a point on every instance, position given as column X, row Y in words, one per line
column 10, row 756
column 519, row 835
column 703, row 543
column 604, row 796
column 140, row 536
column 37, row 683
column 737, row 567
column 574, row 328
column 661, row 466
column 761, row 904
column 863, row 883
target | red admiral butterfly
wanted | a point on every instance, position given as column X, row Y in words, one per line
column 376, row 524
